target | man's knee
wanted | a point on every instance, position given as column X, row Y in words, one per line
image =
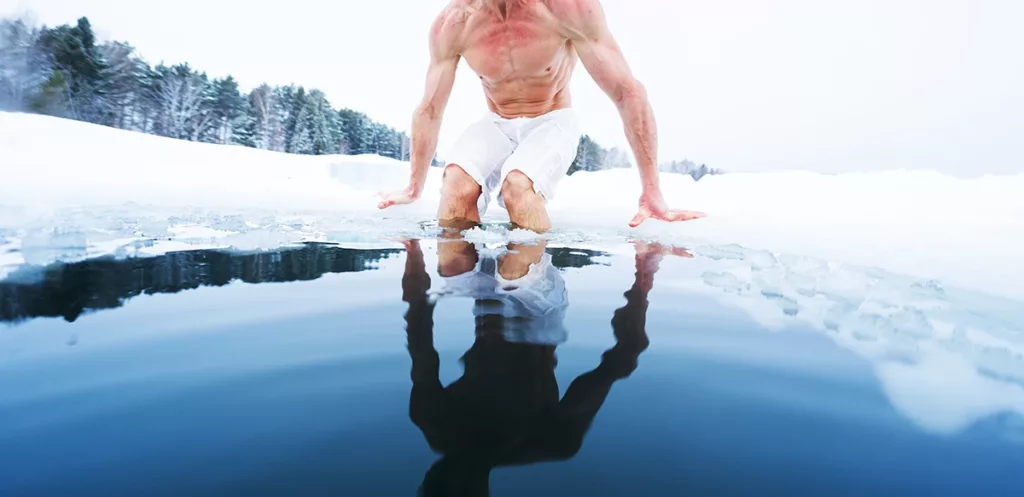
column 459, row 186
column 517, row 189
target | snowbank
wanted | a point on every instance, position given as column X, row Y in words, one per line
column 68, row 187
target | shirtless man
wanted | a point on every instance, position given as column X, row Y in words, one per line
column 524, row 52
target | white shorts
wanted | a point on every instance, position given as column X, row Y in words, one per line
column 533, row 306
column 543, row 148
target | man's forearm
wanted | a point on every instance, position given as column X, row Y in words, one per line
column 641, row 132
column 425, row 127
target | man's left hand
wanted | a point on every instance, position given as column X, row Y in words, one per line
column 653, row 206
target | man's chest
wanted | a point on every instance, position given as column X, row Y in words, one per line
column 523, row 46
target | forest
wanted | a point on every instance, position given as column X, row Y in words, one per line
column 65, row 71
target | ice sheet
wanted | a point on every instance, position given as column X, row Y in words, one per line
column 946, row 358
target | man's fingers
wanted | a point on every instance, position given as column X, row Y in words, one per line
column 638, row 219
column 385, row 201
column 393, row 199
column 671, row 216
column 684, row 215
column 681, row 252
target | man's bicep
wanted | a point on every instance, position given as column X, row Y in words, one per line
column 444, row 60
column 600, row 52
column 440, row 80
column 605, row 63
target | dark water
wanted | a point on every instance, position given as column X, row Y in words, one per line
column 443, row 371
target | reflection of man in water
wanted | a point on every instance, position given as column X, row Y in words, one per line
column 505, row 410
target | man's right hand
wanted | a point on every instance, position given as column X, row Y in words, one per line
column 445, row 52
column 401, row 197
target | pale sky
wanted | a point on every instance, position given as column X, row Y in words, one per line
column 743, row 85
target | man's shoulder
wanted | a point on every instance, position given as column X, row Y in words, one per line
column 448, row 25
column 576, row 15
column 572, row 9
column 453, row 17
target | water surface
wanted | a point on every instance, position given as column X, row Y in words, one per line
column 446, row 368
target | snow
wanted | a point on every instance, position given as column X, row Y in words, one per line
column 70, row 190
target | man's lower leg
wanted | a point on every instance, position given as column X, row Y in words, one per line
column 526, row 208
column 455, row 256
column 459, row 196
column 517, row 261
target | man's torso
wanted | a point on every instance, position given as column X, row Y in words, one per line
column 524, row 60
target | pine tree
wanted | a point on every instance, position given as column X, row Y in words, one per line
column 589, row 156
column 296, row 103
column 121, row 80
column 394, row 144
column 323, row 126
column 73, row 53
column 350, row 123
column 53, row 97
column 368, row 136
column 228, row 108
column 301, row 135
column 244, row 126
column 282, row 108
column 382, row 141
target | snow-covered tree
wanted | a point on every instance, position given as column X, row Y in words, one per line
column 301, row 136
column 282, row 111
column 589, row 156
column 267, row 127
column 243, row 129
column 185, row 103
column 323, row 124
column 78, row 69
column 404, row 150
column 382, row 141
column 293, row 100
column 228, row 108
column 353, row 131
column 23, row 66
column 64, row 71
column 689, row 167
column 616, row 158
column 121, row 81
